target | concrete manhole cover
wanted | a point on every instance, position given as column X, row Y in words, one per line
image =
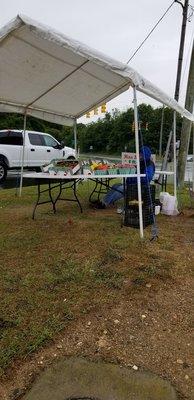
column 79, row 379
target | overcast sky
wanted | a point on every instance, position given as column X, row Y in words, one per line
column 117, row 27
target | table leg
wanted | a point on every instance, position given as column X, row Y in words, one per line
column 58, row 196
column 37, row 202
column 63, row 186
column 93, row 191
column 50, row 195
column 49, row 190
column 75, row 194
column 102, row 183
column 100, row 189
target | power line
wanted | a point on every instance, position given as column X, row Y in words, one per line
column 151, row 31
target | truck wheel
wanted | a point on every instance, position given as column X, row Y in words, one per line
column 71, row 158
column 3, row 171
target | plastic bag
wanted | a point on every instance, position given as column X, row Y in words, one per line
column 169, row 204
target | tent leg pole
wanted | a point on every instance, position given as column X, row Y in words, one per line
column 174, row 153
column 193, row 159
column 75, row 137
column 23, row 154
column 161, row 132
column 138, row 161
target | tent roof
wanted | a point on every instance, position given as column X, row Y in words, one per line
column 59, row 79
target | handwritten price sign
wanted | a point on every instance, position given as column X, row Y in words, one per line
column 129, row 159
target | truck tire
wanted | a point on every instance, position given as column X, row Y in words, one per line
column 3, row 171
column 71, row 158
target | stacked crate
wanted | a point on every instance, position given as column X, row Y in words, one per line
column 131, row 213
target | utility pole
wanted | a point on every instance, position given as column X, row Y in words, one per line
column 181, row 48
column 186, row 126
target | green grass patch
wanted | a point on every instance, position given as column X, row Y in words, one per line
column 59, row 267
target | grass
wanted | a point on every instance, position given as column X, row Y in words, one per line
column 59, row 267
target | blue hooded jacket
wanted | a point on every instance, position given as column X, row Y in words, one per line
column 146, row 167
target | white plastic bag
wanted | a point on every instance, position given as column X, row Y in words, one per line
column 169, row 204
column 157, row 210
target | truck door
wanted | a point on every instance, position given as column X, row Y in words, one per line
column 53, row 148
column 37, row 152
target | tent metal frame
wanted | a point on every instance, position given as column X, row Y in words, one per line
column 137, row 154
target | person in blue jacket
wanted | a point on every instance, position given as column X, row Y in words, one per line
column 147, row 167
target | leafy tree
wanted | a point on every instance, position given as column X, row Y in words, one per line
column 112, row 134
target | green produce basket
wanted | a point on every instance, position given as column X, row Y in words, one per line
column 100, row 172
column 126, row 171
column 113, row 171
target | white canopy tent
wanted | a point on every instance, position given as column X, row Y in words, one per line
column 56, row 78
column 46, row 74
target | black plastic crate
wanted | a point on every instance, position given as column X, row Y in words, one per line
column 131, row 215
column 146, row 191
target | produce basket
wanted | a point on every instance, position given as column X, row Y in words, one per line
column 86, row 170
column 71, row 166
column 64, row 172
column 46, row 167
column 52, row 171
column 100, row 172
column 62, row 167
column 126, row 171
column 113, row 171
column 133, row 170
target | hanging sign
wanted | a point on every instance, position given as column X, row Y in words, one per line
column 129, row 159
column 103, row 108
column 95, row 111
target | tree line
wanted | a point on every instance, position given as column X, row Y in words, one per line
column 111, row 135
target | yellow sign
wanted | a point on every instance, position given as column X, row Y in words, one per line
column 103, row 108
column 95, row 111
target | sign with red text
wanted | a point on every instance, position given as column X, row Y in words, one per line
column 129, row 159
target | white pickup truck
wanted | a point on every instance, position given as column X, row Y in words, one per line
column 40, row 148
